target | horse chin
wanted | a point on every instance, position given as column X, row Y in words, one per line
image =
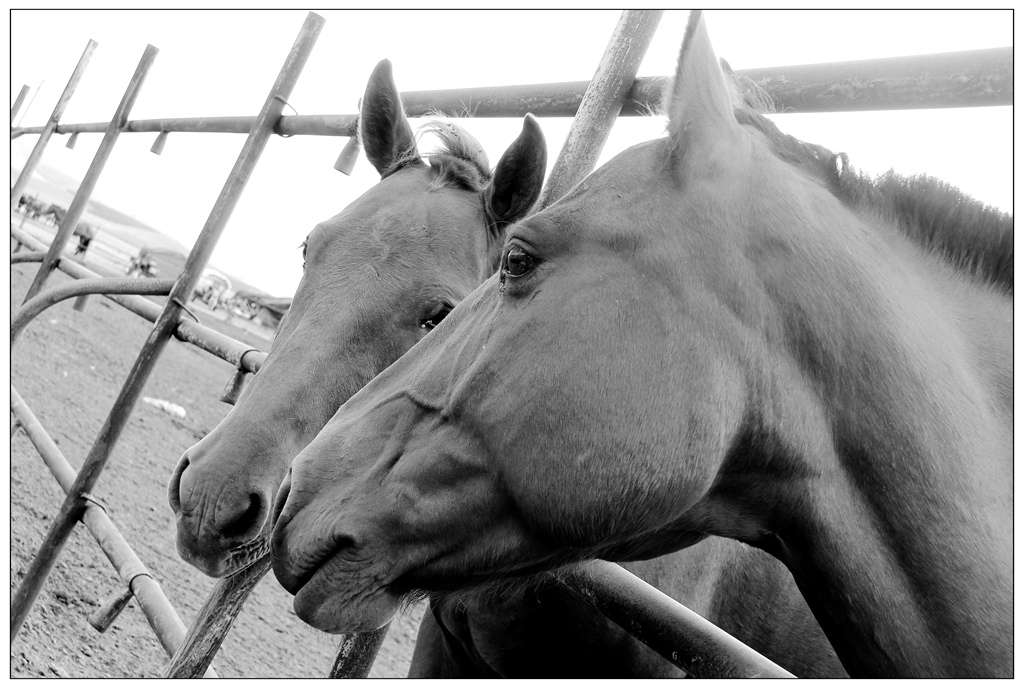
column 221, row 563
column 328, row 610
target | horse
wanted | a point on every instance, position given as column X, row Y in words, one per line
column 721, row 332
column 378, row 277
column 85, row 233
column 142, row 265
column 52, row 213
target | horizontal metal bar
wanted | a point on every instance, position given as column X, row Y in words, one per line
column 231, row 350
column 103, row 285
column 317, row 125
column 162, row 617
column 971, row 78
column 31, row 257
column 679, row 635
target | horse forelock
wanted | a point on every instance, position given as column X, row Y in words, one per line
column 460, row 161
column 975, row 238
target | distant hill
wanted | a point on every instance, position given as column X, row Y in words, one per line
column 57, row 187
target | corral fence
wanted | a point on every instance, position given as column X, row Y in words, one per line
column 963, row 79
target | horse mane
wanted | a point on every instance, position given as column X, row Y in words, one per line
column 975, row 238
column 460, row 161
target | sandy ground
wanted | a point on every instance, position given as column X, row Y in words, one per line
column 68, row 367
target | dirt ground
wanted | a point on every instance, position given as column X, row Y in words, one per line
column 68, row 367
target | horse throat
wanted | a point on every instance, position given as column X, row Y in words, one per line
column 903, row 552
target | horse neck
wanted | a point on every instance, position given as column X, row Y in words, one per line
column 900, row 534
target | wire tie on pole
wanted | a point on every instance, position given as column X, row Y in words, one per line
column 90, row 498
column 182, row 306
column 234, row 387
column 130, row 571
column 284, row 136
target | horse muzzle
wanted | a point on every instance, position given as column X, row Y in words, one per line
column 222, row 532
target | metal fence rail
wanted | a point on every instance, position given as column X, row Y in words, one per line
column 167, row 321
column 971, row 78
column 964, row 79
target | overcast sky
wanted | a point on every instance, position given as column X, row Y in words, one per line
column 220, row 63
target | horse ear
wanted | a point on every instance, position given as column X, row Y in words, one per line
column 699, row 105
column 384, row 129
column 519, row 176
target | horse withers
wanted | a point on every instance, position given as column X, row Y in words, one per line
column 721, row 332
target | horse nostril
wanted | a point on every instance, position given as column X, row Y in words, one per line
column 174, row 486
column 240, row 524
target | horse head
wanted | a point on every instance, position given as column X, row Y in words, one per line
column 704, row 337
column 377, row 277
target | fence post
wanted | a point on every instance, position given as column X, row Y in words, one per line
column 17, row 102
column 74, row 213
column 74, row 505
column 602, row 102
column 51, row 124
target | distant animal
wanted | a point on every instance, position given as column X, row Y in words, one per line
column 143, row 265
column 86, row 233
column 52, row 214
column 378, row 277
column 722, row 332
column 31, row 206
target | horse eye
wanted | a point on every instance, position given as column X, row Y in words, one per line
column 303, row 247
column 517, row 262
column 433, row 321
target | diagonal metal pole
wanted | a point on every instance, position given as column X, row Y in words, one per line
column 74, row 505
column 602, row 102
column 213, row 621
column 18, row 101
column 51, row 124
column 77, row 208
column 682, row 636
column 163, row 619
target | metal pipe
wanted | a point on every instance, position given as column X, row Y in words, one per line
column 165, row 326
column 77, row 208
column 47, row 130
column 162, row 617
column 291, row 125
column 970, row 78
column 214, row 619
column 231, row 350
column 681, row 636
column 30, row 101
column 30, row 257
column 104, row 285
column 601, row 104
column 18, row 101
column 356, row 652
